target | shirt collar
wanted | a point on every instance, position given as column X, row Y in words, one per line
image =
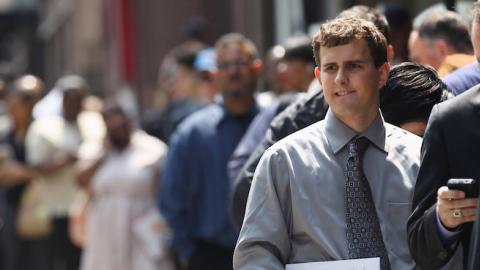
column 339, row 134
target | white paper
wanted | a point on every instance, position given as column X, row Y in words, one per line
column 357, row 264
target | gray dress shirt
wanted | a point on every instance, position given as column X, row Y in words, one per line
column 296, row 211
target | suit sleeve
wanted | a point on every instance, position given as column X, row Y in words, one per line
column 424, row 239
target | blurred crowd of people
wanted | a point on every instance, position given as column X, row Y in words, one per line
column 85, row 184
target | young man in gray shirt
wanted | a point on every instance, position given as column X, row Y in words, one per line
column 341, row 188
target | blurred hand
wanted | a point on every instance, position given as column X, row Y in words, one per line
column 72, row 158
column 451, row 201
column 61, row 159
column 12, row 173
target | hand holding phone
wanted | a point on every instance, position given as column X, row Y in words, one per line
column 467, row 185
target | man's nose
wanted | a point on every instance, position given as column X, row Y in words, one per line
column 232, row 68
column 341, row 77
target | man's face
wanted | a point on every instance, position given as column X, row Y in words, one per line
column 20, row 109
column 476, row 38
column 118, row 130
column 350, row 80
column 237, row 73
column 296, row 74
column 274, row 71
column 72, row 104
column 423, row 51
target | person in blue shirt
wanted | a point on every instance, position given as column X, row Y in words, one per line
column 463, row 79
column 297, row 63
column 467, row 77
column 195, row 190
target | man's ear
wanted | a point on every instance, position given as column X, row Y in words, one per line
column 317, row 74
column 390, row 53
column 308, row 70
column 257, row 66
column 442, row 47
column 384, row 71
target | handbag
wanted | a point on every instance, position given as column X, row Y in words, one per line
column 33, row 219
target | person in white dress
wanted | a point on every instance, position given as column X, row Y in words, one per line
column 125, row 230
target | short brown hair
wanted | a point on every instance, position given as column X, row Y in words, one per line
column 370, row 14
column 341, row 31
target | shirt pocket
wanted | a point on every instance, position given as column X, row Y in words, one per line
column 396, row 237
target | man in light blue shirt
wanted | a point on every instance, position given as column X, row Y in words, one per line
column 195, row 190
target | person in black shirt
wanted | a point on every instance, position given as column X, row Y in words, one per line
column 17, row 253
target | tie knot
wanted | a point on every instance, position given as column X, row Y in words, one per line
column 357, row 146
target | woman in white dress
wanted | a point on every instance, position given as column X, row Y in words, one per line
column 124, row 228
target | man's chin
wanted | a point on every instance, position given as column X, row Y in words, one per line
column 120, row 144
column 237, row 93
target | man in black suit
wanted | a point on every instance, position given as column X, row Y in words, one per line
column 442, row 218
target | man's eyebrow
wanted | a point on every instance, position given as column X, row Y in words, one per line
column 359, row 61
column 355, row 61
column 328, row 64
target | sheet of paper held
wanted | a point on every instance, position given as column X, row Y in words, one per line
column 357, row 264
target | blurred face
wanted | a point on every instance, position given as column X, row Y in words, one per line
column 72, row 104
column 423, row 51
column 206, row 86
column 118, row 130
column 296, row 74
column 20, row 109
column 237, row 72
column 274, row 71
column 350, row 80
column 476, row 38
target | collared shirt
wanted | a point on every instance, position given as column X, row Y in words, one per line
column 51, row 137
column 455, row 61
column 47, row 138
column 463, row 78
column 195, row 190
column 296, row 210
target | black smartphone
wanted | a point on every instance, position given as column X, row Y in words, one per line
column 467, row 185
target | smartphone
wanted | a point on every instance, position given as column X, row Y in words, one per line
column 467, row 185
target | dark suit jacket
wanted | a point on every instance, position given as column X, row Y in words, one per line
column 451, row 149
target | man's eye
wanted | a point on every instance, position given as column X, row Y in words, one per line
column 329, row 68
column 354, row 65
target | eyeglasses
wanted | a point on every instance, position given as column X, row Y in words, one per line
column 239, row 63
